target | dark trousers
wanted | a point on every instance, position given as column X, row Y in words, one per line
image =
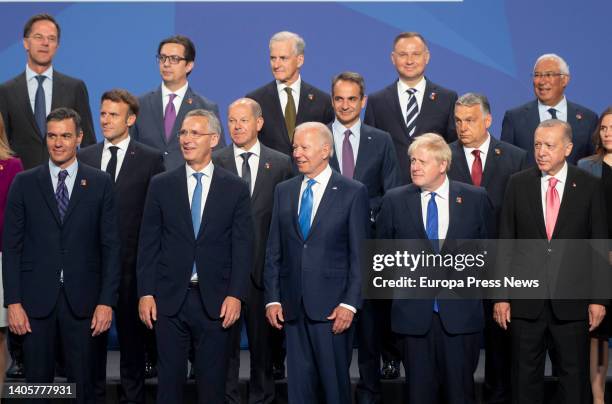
column 191, row 326
column 318, row 362
column 530, row 341
column 498, row 360
column 74, row 334
column 261, row 383
column 440, row 366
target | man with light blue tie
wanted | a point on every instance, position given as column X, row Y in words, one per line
column 440, row 338
column 312, row 276
column 194, row 256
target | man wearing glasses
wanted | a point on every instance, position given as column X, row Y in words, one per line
column 550, row 77
column 162, row 110
column 194, row 258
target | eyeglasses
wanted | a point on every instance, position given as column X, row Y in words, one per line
column 41, row 38
column 193, row 134
column 173, row 59
column 546, row 75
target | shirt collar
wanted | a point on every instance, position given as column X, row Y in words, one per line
column 207, row 171
column 180, row 93
column 442, row 191
column 30, row 74
column 484, row 147
column 122, row 145
column 72, row 168
column 561, row 175
column 295, row 86
column 337, row 127
column 323, row 176
column 560, row 107
column 255, row 149
column 420, row 86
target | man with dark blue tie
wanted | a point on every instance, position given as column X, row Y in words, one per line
column 194, row 257
column 312, row 276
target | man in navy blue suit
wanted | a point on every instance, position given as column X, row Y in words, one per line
column 551, row 76
column 194, row 257
column 481, row 160
column 365, row 154
column 162, row 110
column 440, row 338
column 312, row 277
column 413, row 104
column 61, row 258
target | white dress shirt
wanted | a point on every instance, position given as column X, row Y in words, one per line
column 404, row 96
column 191, row 185
column 442, row 194
column 178, row 100
column 106, row 154
column 253, row 161
column 338, row 131
column 561, row 108
column 295, row 92
column 33, row 86
column 484, row 150
column 561, row 176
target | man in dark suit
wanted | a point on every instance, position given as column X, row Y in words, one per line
column 61, row 258
column 552, row 202
column 194, row 256
column 131, row 166
column 365, row 154
column 26, row 100
column 288, row 100
column 312, row 276
column 551, row 76
column 413, row 104
column 162, row 110
column 481, row 160
column 261, row 168
column 440, row 338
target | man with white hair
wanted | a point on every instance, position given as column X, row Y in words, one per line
column 551, row 76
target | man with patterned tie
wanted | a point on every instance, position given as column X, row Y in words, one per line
column 312, row 276
column 440, row 339
column 262, row 168
column 162, row 110
column 413, row 104
column 26, row 100
column 61, row 258
column 194, row 257
column 550, row 202
column 551, row 75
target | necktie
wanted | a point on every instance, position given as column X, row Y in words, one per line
column 196, row 207
column 348, row 158
column 553, row 113
column 111, row 168
column 306, row 209
column 246, row 169
column 169, row 117
column 476, row 168
column 412, row 111
column 290, row 113
column 552, row 206
column 40, row 107
column 431, row 227
column 61, row 194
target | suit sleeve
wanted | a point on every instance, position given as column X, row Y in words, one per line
column 158, row 166
column 358, row 231
column 369, row 116
column 82, row 105
column 329, row 111
column 110, row 244
column 523, row 161
column 222, row 143
column 600, row 269
column 451, row 130
column 149, row 244
column 507, row 133
column 274, row 256
column 507, row 232
column 390, row 169
column 384, row 221
column 242, row 245
column 12, row 246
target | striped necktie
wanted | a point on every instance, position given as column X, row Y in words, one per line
column 412, row 111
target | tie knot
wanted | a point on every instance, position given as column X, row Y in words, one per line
column 288, row 90
column 433, row 196
column 412, row 91
column 172, row 97
column 347, row 134
column 245, row 156
column 198, row 176
column 40, row 78
column 553, row 113
column 476, row 153
column 113, row 150
column 552, row 182
column 62, row 175
column 310, row 183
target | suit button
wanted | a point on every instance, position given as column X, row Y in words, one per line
column 305, row 245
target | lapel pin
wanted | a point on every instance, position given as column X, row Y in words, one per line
column 1, row 167
column 369, row 137
column 459, row 199
column 189, row 101
column 132, row 153
column 334, row 188
column 267, row 165
column 573, row 185
column 311, row 97
column 83, row 182
column 579, row 116
column 433, row 96
column 498, row 151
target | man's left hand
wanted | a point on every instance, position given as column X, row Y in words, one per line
column 230, row 311
column 342, row 317
column 101, row 320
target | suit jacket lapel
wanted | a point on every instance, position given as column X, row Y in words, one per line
column 227, row 158
column 181, row 190
column 534, row 194
column 570, row 193
column 491, row 164
column 461, row 163
column 413, row 206
column 396, row 108
column 263, row 172
column 294, row 194
column 454, row 200
column 128, row 161
column 23, row 99
column 329, row 195
column 46, row 188
column 532, row 116
column 78, row 191
column 157, row 106
column 362, row 157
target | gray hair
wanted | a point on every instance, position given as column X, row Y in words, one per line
column 298, row 41
column 471, row 99
column 554, row 123
column 214, row 126
column 323, row 132
column 255, row 107
column 563, row 66
column 435, row 144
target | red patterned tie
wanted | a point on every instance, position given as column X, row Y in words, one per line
column 476, row 168
column 552, row 206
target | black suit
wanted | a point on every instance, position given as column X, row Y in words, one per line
column 503, row 160
column 314, row 105
column 139, row 165
column 21, row 128
column 563, row 323
column 436, row 115
column 274, row 167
